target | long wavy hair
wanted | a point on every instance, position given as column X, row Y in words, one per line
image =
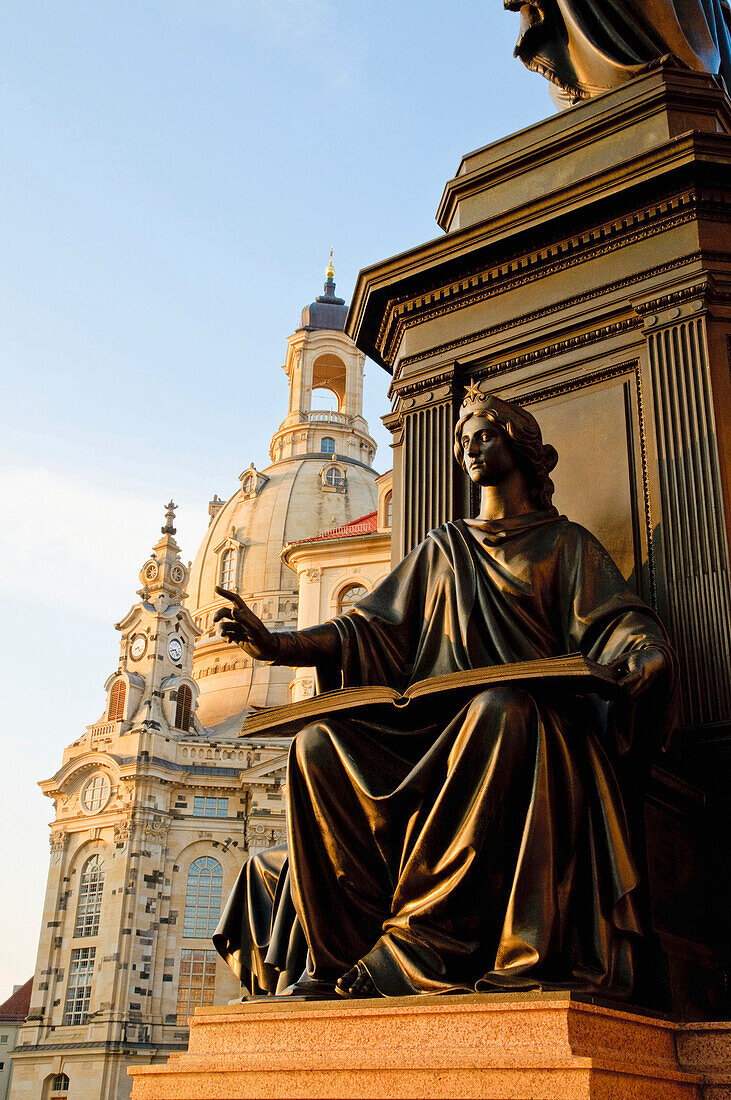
column 535, row 458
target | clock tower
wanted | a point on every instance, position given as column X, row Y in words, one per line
column 156, row 647
column 153, row 822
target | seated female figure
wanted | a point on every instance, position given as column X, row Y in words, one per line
column 468, row 845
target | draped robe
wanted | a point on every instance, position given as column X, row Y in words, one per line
column 586, row 47
column 463, row 843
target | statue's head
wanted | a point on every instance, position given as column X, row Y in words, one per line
column 523, row 435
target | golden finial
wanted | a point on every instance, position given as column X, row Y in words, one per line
column 330, row 273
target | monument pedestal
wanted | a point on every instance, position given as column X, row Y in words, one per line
column 554, row 1046
column 585, row 272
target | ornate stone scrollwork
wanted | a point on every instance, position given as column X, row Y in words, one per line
column 57, row 842
column 265, row 834
column 122, row 830
column 157, row 829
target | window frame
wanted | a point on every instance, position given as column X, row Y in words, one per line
column 340, row 608
column 117, row 701
column 203, row 898
column 183, row 708
column 189, row 956
column 100, row 804
column 77, row 1000
column 89, row 903
column 227, row 568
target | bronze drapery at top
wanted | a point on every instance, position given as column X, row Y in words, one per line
column 589, row 46
column 460, row 845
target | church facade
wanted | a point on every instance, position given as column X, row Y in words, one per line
column 159, row 803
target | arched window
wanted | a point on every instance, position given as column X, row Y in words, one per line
column 328, row 445
column 59, row 1087
column 203, row 898
column 117, row 696
column 228, row 568
column 91, row 888
column 349, row 597
column 334, row 476
column 388, row 510
column 182, row 708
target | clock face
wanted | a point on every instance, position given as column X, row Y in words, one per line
column 175, row 649
column 138, row 647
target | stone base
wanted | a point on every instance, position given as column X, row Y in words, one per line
column 552, row 1046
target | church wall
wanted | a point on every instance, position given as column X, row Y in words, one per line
column 149, row 830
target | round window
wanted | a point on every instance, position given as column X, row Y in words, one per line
column 95, row 794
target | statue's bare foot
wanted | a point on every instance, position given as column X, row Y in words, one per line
column 356, row 983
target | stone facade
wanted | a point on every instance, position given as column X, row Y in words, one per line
column 338, row 568
column 158, row 804
column 154, row 820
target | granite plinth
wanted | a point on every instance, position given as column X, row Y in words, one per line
column 547, row 1045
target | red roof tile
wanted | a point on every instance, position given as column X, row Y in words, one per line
column 365, row 525
column 17, row 1005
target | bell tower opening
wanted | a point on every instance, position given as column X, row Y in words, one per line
column 329, row 379
column 325, row 372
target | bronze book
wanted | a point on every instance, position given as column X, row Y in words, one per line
column 584, row 675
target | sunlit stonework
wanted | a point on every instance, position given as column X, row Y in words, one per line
column 158, row 802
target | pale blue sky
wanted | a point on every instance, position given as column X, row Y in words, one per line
column 174, row 173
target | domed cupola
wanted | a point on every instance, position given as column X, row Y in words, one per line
column 327, row 311
column 320, row 477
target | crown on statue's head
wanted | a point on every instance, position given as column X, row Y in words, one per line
column 475, row 401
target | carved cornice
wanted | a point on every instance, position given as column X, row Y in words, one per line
column 546, row 311
column 519, row 268
column 583, row 339
column 432, row 382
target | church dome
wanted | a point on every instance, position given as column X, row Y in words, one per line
column 320, row 477
column 327, row 311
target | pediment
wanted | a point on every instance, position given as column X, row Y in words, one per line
column 265, row 770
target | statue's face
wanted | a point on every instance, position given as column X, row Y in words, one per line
column 486, row 452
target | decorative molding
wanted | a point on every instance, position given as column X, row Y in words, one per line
column 440, row 383
column 122, row 832
column 156, row 829
column 546, row 311
column 265, row 834
column 57, row 840
column 520, row 268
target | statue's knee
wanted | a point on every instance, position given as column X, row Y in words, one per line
column 504, row 701
column 310, row 744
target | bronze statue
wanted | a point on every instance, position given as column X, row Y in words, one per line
column 585, row 47
column 472, row 845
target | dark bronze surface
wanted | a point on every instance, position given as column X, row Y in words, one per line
column 462, row 847
column 585, row 47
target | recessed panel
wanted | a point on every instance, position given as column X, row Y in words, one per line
column 595, row 474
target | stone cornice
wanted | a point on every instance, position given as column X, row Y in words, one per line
column 540, row 262
column 485, row 247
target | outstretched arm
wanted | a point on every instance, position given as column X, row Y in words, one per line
column 239, row 624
